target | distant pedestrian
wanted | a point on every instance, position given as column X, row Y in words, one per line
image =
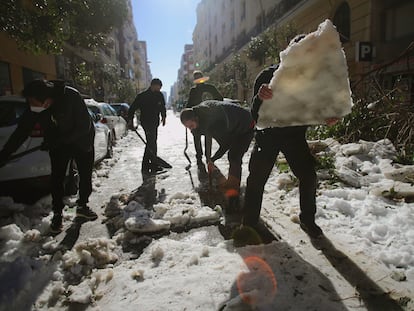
column 200, row 92
column 68, row 134
column 231, row 126
column 151, row 104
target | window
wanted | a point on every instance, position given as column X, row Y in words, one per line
column 342, row 21
column 5, row 83
column 399, row 21
column 30, row 75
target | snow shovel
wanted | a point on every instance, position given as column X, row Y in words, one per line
column 185, row 151
column 160, row 161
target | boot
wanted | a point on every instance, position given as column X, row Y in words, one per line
column 85, row 212
column 56, row 224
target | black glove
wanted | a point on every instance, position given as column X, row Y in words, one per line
column 45, row 146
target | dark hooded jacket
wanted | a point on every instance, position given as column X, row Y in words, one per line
column 66, row 123
column 224, row 122
column 151, row 104
column 197, row 94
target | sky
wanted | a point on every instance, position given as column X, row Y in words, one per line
column 166, row 26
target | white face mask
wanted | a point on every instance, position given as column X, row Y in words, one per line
column 37, row 109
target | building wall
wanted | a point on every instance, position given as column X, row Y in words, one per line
column 17, row 60
column 222, row 24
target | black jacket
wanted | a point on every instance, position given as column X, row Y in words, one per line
column 264, row 77
column 196, row 95
column 66, row 123
column 151, row 104
column 224, row 122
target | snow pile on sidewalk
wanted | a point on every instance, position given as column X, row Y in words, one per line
column 199, row 271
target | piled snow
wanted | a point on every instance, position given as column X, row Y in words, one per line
column 311, row 83
column 198, row 271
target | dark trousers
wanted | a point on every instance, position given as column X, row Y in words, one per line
column 150, row 154
column 235, row 154
column 59, row 159
column 292, row 143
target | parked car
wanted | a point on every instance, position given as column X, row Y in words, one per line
column 33, row 170
column 103, row 139
column 122, row 110
column 35, row 165
column 109, row 117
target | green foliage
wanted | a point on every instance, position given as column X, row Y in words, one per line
column 125, row 92
column 256, row 49
column 377, row 114
column 325, row 162
column 270, row 43
column 44, row 26
column 282, row 166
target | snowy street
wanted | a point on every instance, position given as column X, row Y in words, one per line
column 158, row 243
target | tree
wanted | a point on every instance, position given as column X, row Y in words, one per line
column 44, row 26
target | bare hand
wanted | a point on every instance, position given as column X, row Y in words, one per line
column 210, row 166
column 331, row 121
column 265, row 92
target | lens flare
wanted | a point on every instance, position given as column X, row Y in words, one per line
column 258, row 286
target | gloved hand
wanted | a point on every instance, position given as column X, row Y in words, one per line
column 45, row 146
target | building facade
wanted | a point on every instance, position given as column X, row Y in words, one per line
column 92, row 72
column 373, row 32
column 18, row 67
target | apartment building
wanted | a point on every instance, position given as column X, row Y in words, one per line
column 373, row 32
column 224, row 26
column 184, row 75
column 18, row 67
column 124, row 56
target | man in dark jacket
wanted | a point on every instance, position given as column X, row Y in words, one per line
column 151, row 103
column 200, row 92
column 231, row 126
column 68, row 134
column 269, row 142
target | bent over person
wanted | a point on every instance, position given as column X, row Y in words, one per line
column 231, row 126
column 68, row 134
column 200, row 92
column 291, row 141
column 151, row 103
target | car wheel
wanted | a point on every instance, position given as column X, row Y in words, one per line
column 109, row 148
column 113, row 137
column 72, row 179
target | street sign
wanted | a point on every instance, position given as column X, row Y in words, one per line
column 363, row 51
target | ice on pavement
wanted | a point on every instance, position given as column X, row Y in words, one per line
column 311, row 83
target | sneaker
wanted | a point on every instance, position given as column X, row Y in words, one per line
column 56, row 225
column 86, row 212
column 312, row 229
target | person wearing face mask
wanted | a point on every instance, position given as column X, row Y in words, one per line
column 68, row 134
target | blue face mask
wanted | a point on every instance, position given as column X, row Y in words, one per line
column 37, row 109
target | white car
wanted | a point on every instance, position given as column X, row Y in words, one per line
column 109, row 117
column 33, row 169
column 103, row 139
column 34, row 165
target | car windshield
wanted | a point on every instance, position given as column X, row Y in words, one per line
column 11, row 111
column 94, row 109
